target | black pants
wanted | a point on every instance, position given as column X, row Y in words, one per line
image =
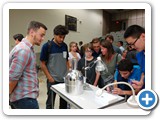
column 51, row 98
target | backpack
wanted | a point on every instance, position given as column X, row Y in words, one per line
column 49, row 49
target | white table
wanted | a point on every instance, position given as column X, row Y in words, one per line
column 123, row 105
column 87, row 100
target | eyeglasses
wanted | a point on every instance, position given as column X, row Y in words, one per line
column 130, row 45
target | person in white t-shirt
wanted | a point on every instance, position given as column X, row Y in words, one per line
column 120, row 45
column 73, row 52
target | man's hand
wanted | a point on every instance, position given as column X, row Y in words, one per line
column 12, row 85
column 118, row 91
column 51, row 80
column 137, row 84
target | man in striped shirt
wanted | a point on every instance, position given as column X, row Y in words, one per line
column 23, row 83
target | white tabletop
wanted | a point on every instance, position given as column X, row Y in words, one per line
column 88, row 99
column 124, row 105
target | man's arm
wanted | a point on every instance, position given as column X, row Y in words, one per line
column 138, row 84
column 68, row 65
column 16, row 68
column 45, row 70
column 121, row 92
column 116, row 78
column 97, row 78
column 115, row 86
column 12, row 85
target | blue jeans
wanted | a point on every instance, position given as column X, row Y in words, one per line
column 25, row 103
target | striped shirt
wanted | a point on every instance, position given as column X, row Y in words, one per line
column 22, row 67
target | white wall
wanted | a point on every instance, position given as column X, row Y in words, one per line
column 90, row 26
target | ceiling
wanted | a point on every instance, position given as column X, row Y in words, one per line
column 112, row 11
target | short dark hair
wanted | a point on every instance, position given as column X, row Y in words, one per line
column 80, row 42
column 35, row 25
column 121, row 42
column 95, row 40
column 134, row 31
column 18, row 36
column 110, row 37
column 125, row 65
column 60, row 30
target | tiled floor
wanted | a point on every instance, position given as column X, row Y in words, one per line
column 43, row 92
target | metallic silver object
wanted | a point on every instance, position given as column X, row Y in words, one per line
column 74, row 81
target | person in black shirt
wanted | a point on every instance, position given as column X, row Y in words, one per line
column 96, row 47
column 89, row 59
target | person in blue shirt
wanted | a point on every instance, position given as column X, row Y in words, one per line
column 54, row 63
column 126, row 72
column 135, row 38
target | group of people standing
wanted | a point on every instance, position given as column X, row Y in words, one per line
column 55, row 61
